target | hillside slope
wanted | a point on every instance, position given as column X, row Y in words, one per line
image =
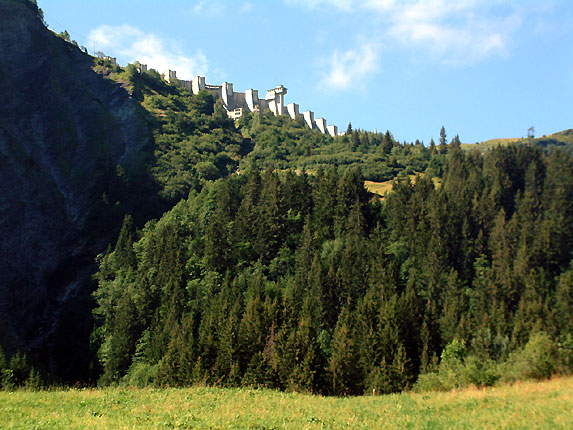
column 70, row 145
column 562, row 139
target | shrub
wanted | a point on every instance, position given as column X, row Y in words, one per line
column 457, row 369
column 481, row 372
column 429, row 382
column 537, row 360
column 141, row 374
column 7, row 379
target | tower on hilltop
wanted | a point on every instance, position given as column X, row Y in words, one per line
column 276, row 99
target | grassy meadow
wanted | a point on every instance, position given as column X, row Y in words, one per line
column 526, row 405
column 381, row 188
column 492, row 143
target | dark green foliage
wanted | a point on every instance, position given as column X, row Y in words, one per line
column 280, row 142
column 16, row 371
column 442, row 146
column 301, row 282
column 342, row 368
column 538, row 359
column 194, row 139
column 278, row 278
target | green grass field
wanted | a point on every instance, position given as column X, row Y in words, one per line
column 527, row 405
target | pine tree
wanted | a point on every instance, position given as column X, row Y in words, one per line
column 324, row 197
column 169, row 371
column 503, row 245
column 342, row 369
column 352, row 198
column 453, row 309
column 455, row 144
column 251, row 333
column 563, row 305
column 355, row 140
column 379, row 380
column 442, row 147
column 124, row 255
column 556, row 231
column 20, row 367
column 529, row 316
column 117, row 351
column 387, row 143
column 226, row 366
column 402, row 376
column 245, row 226
column 270, row 223
column 217, row 248
column 367, row 332
column 301, row 362
column 410, row 317
column 432, row 147
column 177, row 364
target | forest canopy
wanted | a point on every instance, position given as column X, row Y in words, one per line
column 295, row 281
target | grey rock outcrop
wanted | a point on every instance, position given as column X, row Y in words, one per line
column 64, row 130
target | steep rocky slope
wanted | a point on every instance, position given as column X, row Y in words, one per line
column 71, row 154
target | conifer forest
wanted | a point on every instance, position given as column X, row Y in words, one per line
column 151, row 240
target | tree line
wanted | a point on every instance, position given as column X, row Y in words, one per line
column 308, row 282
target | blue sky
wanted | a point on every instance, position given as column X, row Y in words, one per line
column 483, row 69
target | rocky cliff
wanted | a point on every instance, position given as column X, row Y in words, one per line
column 72, row 147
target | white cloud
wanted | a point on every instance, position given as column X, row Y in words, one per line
column 344, row 5
column 451, row 32
column 351, row 68
column 208, row 8
column 131, row 44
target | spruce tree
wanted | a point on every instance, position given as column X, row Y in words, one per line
column 342, row 367
column 442, row 147
column 453, row 309
column 563, row 305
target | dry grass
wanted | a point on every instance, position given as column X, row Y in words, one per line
column 381, row 188
column 489, row 144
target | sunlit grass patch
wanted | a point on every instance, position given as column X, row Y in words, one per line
column 522, row 405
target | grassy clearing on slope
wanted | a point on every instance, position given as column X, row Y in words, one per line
column 562, row 138
column 489, row 144
column 527, row 405
column 380, row 188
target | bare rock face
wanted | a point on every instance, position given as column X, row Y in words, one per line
column 65, row 133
